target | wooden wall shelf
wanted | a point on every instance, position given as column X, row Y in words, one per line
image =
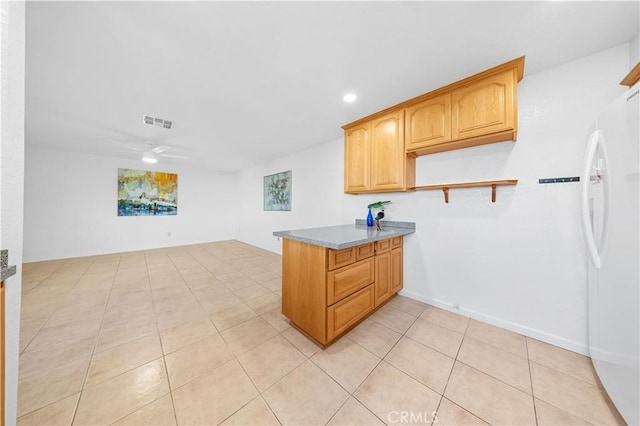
column 633, row 77
column 445, row 187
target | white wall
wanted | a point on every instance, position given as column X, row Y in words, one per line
column 71, row 207
column 316, row 199
column 12, row 46
column 518, row 263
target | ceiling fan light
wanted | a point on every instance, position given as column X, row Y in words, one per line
column 149, row 157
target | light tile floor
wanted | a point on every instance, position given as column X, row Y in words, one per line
column 194, row 335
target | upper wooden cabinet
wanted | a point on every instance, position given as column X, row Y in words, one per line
column 485, row 107
column 357, row 158
column 428, row 122
column 477, row 110
column 387, row 152
column 374, row 156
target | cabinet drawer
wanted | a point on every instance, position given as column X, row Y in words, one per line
column 382, row 246
column 340, row 258
column 345, row 281
column 396, row 242
column 364, row 251
column 349, row 311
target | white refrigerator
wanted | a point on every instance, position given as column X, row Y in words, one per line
column 610, row 219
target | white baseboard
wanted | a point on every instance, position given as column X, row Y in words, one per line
column 552, row 339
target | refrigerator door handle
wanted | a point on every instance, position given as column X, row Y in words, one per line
column 596, row 140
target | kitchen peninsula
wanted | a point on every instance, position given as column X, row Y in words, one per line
column 334, row 277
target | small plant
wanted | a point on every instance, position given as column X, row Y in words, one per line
column 378, row 205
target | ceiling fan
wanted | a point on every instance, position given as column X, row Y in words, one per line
column 150, row 152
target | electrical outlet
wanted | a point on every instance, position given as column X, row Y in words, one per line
column 456, row 307
column 169, row 234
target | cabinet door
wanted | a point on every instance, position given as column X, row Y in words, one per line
column 428, row 123
column 383, row 278
column 396, row 270
column 387, row 152
column 357, row 157
column 484, row 107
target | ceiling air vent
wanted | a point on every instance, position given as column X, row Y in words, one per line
column 158, row 122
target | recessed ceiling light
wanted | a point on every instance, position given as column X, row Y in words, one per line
column 349, row 97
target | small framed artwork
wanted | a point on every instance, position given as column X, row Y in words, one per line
column 276, row 193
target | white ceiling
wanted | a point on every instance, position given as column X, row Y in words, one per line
column 246, row 82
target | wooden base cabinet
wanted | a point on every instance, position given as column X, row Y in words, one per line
column 327, row 292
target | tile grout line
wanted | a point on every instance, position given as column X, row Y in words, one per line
column 164, row 361
column 236, row 357
column 453, row 365
column 261, row 393
column 533, row 398
column 114, row 347
column 40, row 329
column 381, row 359
column 597, row 386
column 271, row 408
column 57, row 307
column 551, row 403
column 204, row 311
column 95, row 343
column 55, row 310
column 40, row 282
column 455, row 360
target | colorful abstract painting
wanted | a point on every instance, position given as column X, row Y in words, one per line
column 277, row 192
column 143, row 193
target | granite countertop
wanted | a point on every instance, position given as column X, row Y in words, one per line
column 6, row 271
column 344, row 236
